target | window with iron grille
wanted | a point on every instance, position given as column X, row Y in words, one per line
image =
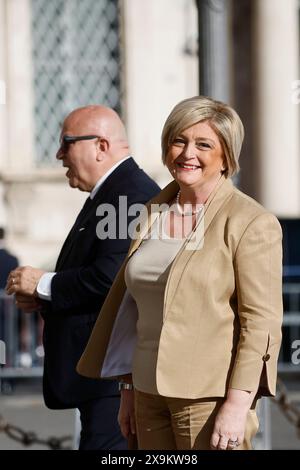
column 76, row 61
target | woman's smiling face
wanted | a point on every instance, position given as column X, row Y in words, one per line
column 195, row 157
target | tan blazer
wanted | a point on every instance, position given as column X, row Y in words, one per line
column 223, row 304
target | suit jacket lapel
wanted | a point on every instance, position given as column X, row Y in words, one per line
column 89, row 209
column 70, row 238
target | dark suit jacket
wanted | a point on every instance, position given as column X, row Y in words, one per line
column 8, row 262
column 86, row 268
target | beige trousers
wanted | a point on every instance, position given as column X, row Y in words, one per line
column 165, row 423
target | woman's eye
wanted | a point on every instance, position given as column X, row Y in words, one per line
column 203, row 145
column 178, row 141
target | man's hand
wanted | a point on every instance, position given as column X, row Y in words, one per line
column 24, row 281
column 27, row 303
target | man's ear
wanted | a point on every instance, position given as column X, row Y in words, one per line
column 102, row 147
column 103, row 144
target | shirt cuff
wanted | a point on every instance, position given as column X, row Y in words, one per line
column 44, row 286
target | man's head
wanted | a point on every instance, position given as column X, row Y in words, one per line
column 101, row 142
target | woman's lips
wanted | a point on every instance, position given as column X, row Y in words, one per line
column 187, row 167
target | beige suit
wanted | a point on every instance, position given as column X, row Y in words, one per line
column 223, row 303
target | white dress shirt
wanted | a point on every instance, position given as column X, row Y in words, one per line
column 44, row 285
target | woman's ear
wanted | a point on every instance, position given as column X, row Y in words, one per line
column 224, row 168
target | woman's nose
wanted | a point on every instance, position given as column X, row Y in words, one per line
column 189, row 151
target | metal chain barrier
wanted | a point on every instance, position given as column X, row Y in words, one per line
column 29, row 438
column 290, row 410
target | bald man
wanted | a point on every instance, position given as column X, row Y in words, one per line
column 95, row 151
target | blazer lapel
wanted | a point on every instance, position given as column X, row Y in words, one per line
column 151, row 213
column 220, row 195
column 72, row 234
column 212, row 205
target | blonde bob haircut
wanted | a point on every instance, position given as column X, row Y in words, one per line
column 222, row 118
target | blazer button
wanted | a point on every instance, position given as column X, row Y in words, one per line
column 266, row 357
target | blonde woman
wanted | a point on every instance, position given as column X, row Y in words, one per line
column 192, row 324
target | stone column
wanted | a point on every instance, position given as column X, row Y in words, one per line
column 276, row 35
column 20, row 103
column 160, row 70
column 215, row 48
column 3, row 107
column 243, row 83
